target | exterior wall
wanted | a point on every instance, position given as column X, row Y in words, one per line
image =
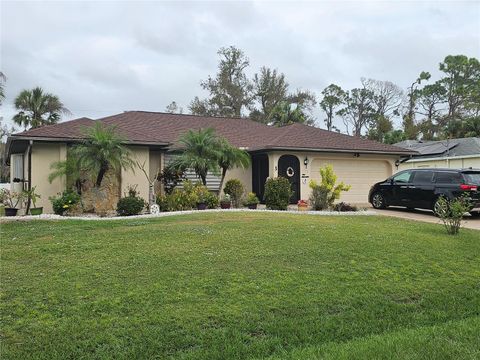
column 365, row 171
column 244, row 175
column 453, row 163
column 157, row 162
column 135, row 176
column 43, row 156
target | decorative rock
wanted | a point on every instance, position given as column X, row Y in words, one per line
column 154, row 209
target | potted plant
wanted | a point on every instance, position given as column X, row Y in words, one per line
column 33, row 197
column 252, row 200
column 225, row 202
column 302, row 205
column 11, row 200
column 202, row 197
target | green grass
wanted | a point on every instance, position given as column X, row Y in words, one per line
column 238, row 286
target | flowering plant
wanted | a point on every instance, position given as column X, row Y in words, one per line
column 302, row 203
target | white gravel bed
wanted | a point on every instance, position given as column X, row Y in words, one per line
column 91, row 217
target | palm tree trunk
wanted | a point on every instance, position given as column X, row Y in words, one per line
column 204, row 179
column 101, row 174
column 222, row 179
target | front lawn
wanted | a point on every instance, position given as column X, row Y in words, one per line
column 238, row 286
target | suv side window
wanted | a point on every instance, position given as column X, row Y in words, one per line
column 403, row 177
column 422, row 177
column 445, row 177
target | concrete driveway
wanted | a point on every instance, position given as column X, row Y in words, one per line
column 426, row 216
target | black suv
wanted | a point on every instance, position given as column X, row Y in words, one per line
column 421, row 188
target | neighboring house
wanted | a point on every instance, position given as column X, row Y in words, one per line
column 452, row 153
column 294, row 151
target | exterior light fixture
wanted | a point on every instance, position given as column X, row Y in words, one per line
column 356, row 155
column 305, row 161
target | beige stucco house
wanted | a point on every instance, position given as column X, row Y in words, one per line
column 295, row 151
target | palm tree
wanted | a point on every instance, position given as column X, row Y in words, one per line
column 201, row 152
column 102, row 150
column 231, row 157
column 37, row 108
column 70, row 169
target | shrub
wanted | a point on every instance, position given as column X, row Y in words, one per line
column 251, row 199
column 277, row 193
column 171, row 177
column 187, row 198
column 451, row 212
column 235, row 189
column 211, row 201
column 344, row 207
column 132, row 204
column 226, row 199
column 325, row 193
column 65, row 202
column 318, row 197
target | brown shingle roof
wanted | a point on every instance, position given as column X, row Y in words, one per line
column 165, row 128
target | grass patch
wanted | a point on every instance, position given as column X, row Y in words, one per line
column 238, row 286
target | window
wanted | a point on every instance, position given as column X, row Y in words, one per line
column 473, row 178
column 403, row 177
column 17, row 166
column 422, row 177
column 448, row 178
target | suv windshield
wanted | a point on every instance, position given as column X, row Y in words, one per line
column 472, row 178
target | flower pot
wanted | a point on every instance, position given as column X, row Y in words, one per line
column 36, row 211
column 10, row 211
column 225, row 205
column 302, row 207
column 201, row 206
column 252, row 206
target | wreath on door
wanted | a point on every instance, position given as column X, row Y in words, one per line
column 290, row 171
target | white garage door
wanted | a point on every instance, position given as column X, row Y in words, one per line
column 360, row 174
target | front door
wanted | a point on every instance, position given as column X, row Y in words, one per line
column 289, row 167
column 259, row 174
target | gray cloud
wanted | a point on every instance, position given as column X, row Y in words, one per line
column 106, row 57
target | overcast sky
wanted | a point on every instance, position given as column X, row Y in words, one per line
column 102, row 58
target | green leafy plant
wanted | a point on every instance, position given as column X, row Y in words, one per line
column 251, row 199
column 65, row 202
column 101, row 151
column 451, row 212
column 171, row 176
column 11, row 199
column 187, row 198
column 200, row 152
column 235, row 189
column 132, row 204
column 278, row 192
column 324, row 194
column 32, row 195
column 211, row 200
column 318, row 197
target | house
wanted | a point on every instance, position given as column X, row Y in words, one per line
column 295, row 151
column 452, row 153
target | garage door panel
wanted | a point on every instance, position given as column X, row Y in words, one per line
column 359, row 174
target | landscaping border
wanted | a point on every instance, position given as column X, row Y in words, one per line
column 175, row 213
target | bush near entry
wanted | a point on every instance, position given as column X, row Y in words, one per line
column 278, row 192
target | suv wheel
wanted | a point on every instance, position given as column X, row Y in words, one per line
column 437, row 208
column 378, row 201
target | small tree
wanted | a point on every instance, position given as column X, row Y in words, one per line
column 278, row 192
column 200, row 153
column 451, row 212
column 231, row 157
column 101, row 151
column 328, row 188
column 235, row 189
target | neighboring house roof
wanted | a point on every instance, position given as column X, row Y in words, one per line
column 165, row 129
column 443, row 148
